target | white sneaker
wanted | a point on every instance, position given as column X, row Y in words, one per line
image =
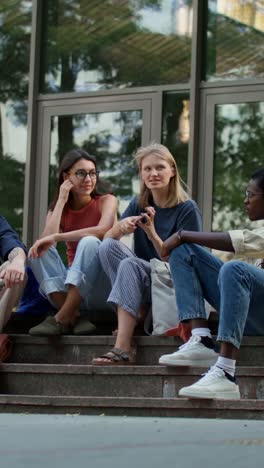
column 215, row 384
column 192, row 353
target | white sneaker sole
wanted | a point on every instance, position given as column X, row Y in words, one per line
column 203, row 394
column 188, row 362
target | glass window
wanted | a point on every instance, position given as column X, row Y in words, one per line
column 176, row 128
column 113, row 137
column 93, row 45
column 15, row 27
column 239, row 143
column 235, row 39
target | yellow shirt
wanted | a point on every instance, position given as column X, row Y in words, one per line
column 248, row 243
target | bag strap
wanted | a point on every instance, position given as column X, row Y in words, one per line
column 148, row 322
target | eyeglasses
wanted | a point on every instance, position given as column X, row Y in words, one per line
column 252, row 194
column 81, row 174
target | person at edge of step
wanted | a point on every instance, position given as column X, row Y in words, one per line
column 79, row 216
column 12, row 271
column 161, row 209
column 234, row 288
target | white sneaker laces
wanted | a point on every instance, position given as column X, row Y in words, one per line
column 213, row 374
column 192, row 341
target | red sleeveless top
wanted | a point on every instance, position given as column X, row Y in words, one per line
column 71, row 220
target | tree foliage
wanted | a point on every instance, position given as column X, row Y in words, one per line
column 107, row 40
column 15, row 25
column 11, row 191
column 239, row 143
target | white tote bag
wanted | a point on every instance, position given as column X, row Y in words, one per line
column 164, row 308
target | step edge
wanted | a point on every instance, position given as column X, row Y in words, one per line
column 256, row 341
column 242, row 371
column 140, row 402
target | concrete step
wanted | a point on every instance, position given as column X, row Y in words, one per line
column 82, row 349
column 130, row 406
column 118, row 381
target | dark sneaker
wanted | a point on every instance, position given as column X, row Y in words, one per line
column 49, row 327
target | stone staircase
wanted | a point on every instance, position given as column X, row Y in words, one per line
column 55, row 376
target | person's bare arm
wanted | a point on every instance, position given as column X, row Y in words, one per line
column 123, row 227
column 108, row 216
column 53, row 219
column 213, row 240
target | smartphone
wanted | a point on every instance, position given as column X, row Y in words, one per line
column 144, row 220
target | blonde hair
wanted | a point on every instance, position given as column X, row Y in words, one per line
column 177, row 194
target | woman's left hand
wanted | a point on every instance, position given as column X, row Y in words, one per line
column 147, row 221
column 41, row 246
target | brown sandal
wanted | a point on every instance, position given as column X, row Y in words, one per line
column 114, row 357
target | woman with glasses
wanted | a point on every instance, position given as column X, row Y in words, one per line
column 162, row 208
column 78, row 216
column 235, row 289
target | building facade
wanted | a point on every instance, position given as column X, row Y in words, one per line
column 112, row 75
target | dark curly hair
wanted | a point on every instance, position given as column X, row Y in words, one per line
column 258, row 177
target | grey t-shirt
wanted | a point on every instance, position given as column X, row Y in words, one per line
column 167, row 221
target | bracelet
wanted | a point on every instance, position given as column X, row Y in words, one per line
column 179, row 234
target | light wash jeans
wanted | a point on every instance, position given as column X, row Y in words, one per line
column 85, row 273
column 235, row 289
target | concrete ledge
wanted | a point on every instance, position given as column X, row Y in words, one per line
column 119, row 381
column 64, row 369
column 82, row 349
column 226, row 409
column 251, row 341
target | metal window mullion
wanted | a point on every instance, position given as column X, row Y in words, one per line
column 196, row 73
column 30, row 167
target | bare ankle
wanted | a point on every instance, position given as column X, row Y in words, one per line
column 124, row 345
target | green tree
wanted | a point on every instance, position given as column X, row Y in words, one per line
column 239, row 141
column 15, row 25
column 234, row 49
column 11, row 191
column 107, row 39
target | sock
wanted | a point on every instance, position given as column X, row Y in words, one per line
column 228, row 365
column 201, row 332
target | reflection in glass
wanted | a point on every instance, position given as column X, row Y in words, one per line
column 91, row 45
column 176, row 128
column 112, row 137
column 15, row 21
column 239, row 143
column 235, row 39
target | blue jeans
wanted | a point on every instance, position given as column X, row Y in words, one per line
column 235, row 289
column 85, row 273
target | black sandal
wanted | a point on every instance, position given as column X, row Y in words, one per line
column 114, row 357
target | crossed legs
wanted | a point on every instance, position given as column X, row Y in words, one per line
column 236, row 290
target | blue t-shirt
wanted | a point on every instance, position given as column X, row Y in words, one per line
column 167, row 221
column 9, row 239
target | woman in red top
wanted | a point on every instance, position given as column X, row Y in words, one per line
column 80, row 217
